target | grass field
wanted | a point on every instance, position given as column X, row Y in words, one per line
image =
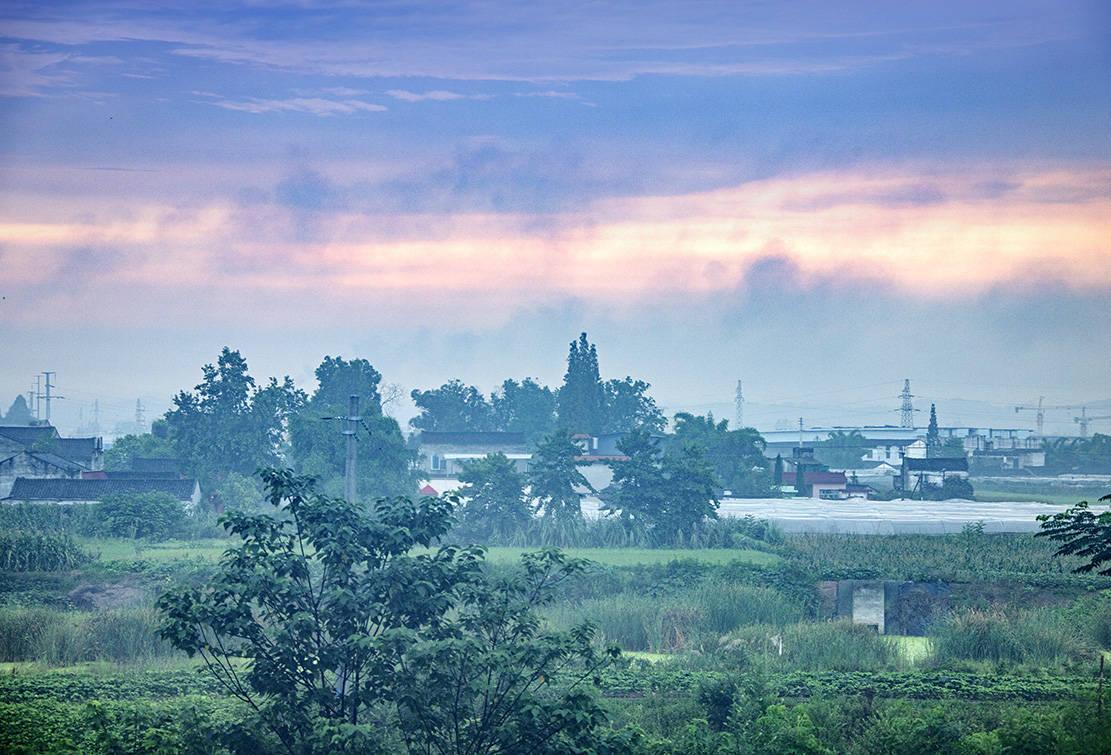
column 126, row 549
column 646, row 556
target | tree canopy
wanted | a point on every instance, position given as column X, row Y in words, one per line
column 228, row 423
column 663, row 496
column 735, row 456
column 1081, row 532
column 123, row 451
column 554, row 482
column 524, row 407
column 344, row 626
column 493, row 504
column 319, row 448
column 453, row 407
column 842, row 450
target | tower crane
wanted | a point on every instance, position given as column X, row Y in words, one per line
column 1084, row 419
column 1041, row 409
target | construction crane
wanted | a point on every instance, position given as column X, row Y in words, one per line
column 1041, row 409
column 1084, row 419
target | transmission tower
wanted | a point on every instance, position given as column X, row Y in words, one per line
column 740, row 418
column 907, row 408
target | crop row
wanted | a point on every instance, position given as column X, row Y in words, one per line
column 907, row 685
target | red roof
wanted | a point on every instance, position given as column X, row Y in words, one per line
column 824, row 478
column 428, row 490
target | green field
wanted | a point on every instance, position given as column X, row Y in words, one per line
column 646, row 556
column 126, row 549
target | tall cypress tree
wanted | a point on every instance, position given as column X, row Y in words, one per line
column 582, row 397
column 933, row 435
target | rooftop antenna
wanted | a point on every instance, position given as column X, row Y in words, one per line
column 907, row 409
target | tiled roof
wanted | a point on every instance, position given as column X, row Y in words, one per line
column 77, row 449
column 26, row 434
column 55, row 460
column 937, row 464
column 28, row 489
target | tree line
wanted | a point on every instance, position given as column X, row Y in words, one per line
column 230, row 425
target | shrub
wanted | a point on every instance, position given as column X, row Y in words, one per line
column 155, row 515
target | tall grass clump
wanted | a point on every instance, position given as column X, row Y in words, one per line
column 61, row 638
column 1029, row 637
column 32, row 551
column 680, row 621
column 813, row 646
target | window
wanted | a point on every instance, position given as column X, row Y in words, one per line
column 436, row 463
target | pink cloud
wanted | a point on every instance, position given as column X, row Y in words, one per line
column 954, row 239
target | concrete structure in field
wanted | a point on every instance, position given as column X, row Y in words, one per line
column 890, row 606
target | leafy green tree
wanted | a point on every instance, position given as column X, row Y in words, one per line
column 524, row 407
column 628, row 407
column 153, row 515
column 228, row 423
column 637, row 494
column 319, row 447
column 123, row 451
column 345, row 628
column 953, row 448
column 661, row 496
column 19, row 413
column 1079, row 455
column 554, row 482
column 582, row 399
column 238, row 493
column 736, row 456
column 691, row 494
column 842, row 450
column 1081, row 532
column 453, row 407
column 933, row 435
column 493, row 504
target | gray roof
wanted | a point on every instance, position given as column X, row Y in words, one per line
column 74, row 449
column 937, row 464
column 29, row 489
column 55, row 460
column 26, row 434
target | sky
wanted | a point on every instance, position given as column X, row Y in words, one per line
column 821, row 199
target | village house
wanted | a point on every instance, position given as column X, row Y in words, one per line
column 38, row 451
column 70, row 491
column 444, row 454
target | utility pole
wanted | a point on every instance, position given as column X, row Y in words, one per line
column 38, row 397
column 907, row 409
column 47, row 374
column 800, row 432
column 353, row 420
